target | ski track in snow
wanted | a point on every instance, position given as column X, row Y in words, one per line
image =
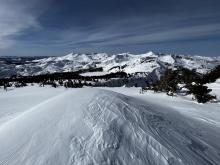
column 96, row 126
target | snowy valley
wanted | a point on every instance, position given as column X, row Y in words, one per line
column 109, row 82
column 47, row 118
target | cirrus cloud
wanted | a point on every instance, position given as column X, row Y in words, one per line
column 15, row 18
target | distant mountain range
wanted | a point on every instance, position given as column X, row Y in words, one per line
column 134, row 64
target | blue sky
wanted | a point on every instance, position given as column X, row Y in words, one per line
column 57, row 27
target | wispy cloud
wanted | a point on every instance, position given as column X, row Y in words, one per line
column 98, row 25
column 163, row 35
column 140, row 31
column 15, row 18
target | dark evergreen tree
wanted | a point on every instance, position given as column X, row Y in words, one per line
column 201, row 93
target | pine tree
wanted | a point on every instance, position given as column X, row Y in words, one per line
column 201, row 93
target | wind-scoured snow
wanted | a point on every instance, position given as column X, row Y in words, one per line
column 106, row 126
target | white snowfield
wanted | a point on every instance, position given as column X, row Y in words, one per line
column 47, row 126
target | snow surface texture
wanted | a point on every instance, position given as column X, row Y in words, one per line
column 129, row 63
column 106, row 126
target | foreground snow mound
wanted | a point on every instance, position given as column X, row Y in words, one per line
column 93, row 126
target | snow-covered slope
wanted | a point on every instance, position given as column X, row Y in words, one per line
column 96, row 126
column 215, row 88
column 129, row 63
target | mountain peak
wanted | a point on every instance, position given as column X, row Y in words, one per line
column 130, row 63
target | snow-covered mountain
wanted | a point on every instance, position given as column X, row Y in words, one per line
column 129, row 63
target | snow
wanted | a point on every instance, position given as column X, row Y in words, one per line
column 215, row 88
column 19, row 100
column 129, row 63
column 106, row 126
column 167, row 59
column 94, row 73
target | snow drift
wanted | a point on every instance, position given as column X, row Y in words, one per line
column 94, row 126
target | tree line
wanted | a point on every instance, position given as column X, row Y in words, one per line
column 173, row 81
column 66, row 79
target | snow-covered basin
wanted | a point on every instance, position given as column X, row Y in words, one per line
column 99, row 126
column 94, row 73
